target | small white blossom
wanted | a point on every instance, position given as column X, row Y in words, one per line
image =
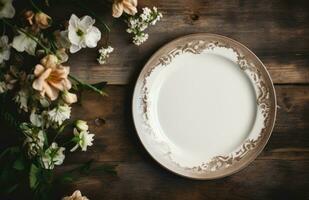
column 81, row 125
column 6, row 9
column 34, row 141
column 22, row 98
column 77, row 195
column 36, row 119
column 140, row 39
column 34, row 144
column 138, row 24
column 83, row 140
column 24, row 43
column 68, row 97
column 53, row 156
column 4, row 48
column 44, row 101
column 59, row 114
column 104, row 54
column 82, row 33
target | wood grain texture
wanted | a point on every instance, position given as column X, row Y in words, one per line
column 271, row 179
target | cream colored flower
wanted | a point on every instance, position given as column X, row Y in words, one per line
column 81, row 125
column 59, row 114
column 77, row 195
column 68, row 97
column 53, row 156
column 42, row 20
column 23, row 43
column 51, row 77
column 83, row 139
column 127, row 6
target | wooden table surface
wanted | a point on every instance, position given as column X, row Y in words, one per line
column 277, row 31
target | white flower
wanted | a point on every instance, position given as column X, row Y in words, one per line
column 4, row 48
column 24, row 43
column 21, row 98
column 104, row 54
column 59, row 114
column 82, row 33
column 136, row 25
column 81, row 125
column 77, row 195
column 34, row 141
column 68, row 97
column 36, row 119
column 6, row 9
column 53, row 156
column 83, row 138
column 140, row 39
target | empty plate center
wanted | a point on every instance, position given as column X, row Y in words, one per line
column 205, row 106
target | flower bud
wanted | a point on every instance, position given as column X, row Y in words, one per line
column 42, row 20
column 81, row 125
column 69, row 98
column 28, row 15
column 49, row 61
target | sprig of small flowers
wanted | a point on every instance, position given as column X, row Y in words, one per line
column 138, row 24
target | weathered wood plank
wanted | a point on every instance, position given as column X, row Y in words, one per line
column 263, row 179
column 116, row 140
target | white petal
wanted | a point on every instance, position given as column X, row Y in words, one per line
column 73, row 37
column 73, row 21
column 93, row 36
column 19, row 43
column 23, row 43
column 86, row 22
column 30, row 49
column 74, row 148
column 74, row 48
column 7, row 11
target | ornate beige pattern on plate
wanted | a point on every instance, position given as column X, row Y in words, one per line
column 220, row 165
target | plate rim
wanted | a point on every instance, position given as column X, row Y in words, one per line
column 273, row 100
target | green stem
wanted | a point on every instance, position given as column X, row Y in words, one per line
column 35, row 7
column 88, row 86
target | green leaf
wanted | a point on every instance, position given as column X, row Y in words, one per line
column 66, row 178
column 33, row 176
column 10, row 150
column 19, row 164
column 100, row 85
column 12, row 188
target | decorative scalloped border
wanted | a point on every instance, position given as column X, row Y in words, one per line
column 263, row 101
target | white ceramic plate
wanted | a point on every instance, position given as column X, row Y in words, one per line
column 204, row 106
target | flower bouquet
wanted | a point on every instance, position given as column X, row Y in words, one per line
column 37, row 89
